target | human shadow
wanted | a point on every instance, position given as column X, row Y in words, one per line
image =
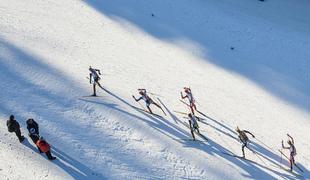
column 30, row 96
column 263, row 152
column 201, row 23
column 213, row 148
column 160, row 124
column 73, row 167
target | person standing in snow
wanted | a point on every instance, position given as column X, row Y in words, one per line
column 193, row 124
column 44, row 147
column 32, row 126
column 94, row 79
column 33, row 129
column 292, row 149
column 190, row 98
column 13, row 126
column 148, row 101
column 243, row 138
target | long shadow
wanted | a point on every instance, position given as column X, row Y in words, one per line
column 215, row 30
column 264, row 153
column 214, row 148
column 27, row 90
column 169, row 124
column 73, row 167
column 160, row 124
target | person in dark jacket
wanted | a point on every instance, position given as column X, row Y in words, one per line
column 45, row 147
column 32, row 126
column 13, row 126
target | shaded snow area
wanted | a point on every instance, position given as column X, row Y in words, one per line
column 246, row 61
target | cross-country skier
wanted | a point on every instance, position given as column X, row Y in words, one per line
column 292, row 149
column 190, row 98
column 193, row 124
column 148, row 101
column 94, row 78
column 13, row 126
column 243, row 138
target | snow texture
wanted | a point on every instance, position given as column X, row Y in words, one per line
column 246, row 61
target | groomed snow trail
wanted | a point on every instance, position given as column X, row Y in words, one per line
column 47, row 46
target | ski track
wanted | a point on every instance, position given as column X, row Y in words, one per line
column 45, row 50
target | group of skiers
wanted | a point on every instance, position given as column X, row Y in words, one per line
column 33, row 132
column 192, row 118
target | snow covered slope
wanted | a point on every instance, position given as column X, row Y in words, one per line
column 246, row 61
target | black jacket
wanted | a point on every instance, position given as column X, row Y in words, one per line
column 32, row 124
column 34, row 137
column 12, row 125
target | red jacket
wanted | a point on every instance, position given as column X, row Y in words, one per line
column 43, row 145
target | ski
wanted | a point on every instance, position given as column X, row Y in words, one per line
column 184, row 102
column 201, row 113
column 140, row 109
column 179, row 112
column 198, row 118
column 292, row 172
column 239, row 157
column 92, row 96
column 289, row 160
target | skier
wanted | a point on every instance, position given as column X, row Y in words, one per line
column 147, row 99
column 13, row 126
column 44, row 147
column 193, row 124
column 190, row 98
column 292, row 149
column 94, row 79
column 32, row 126
column 243, row 138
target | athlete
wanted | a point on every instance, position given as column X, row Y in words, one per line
column 193, row 124
column 148, row 101
column 94, row 79
column 292, row 149
column 190, row 98
column 243, row 138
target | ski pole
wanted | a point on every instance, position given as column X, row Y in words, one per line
column 154, row 94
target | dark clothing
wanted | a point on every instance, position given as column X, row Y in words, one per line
column 13, row 126
column 49, row 155
column 34, row 137
column 193, row 127
column 32, row 124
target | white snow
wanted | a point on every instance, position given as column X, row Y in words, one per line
column 262, row 85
